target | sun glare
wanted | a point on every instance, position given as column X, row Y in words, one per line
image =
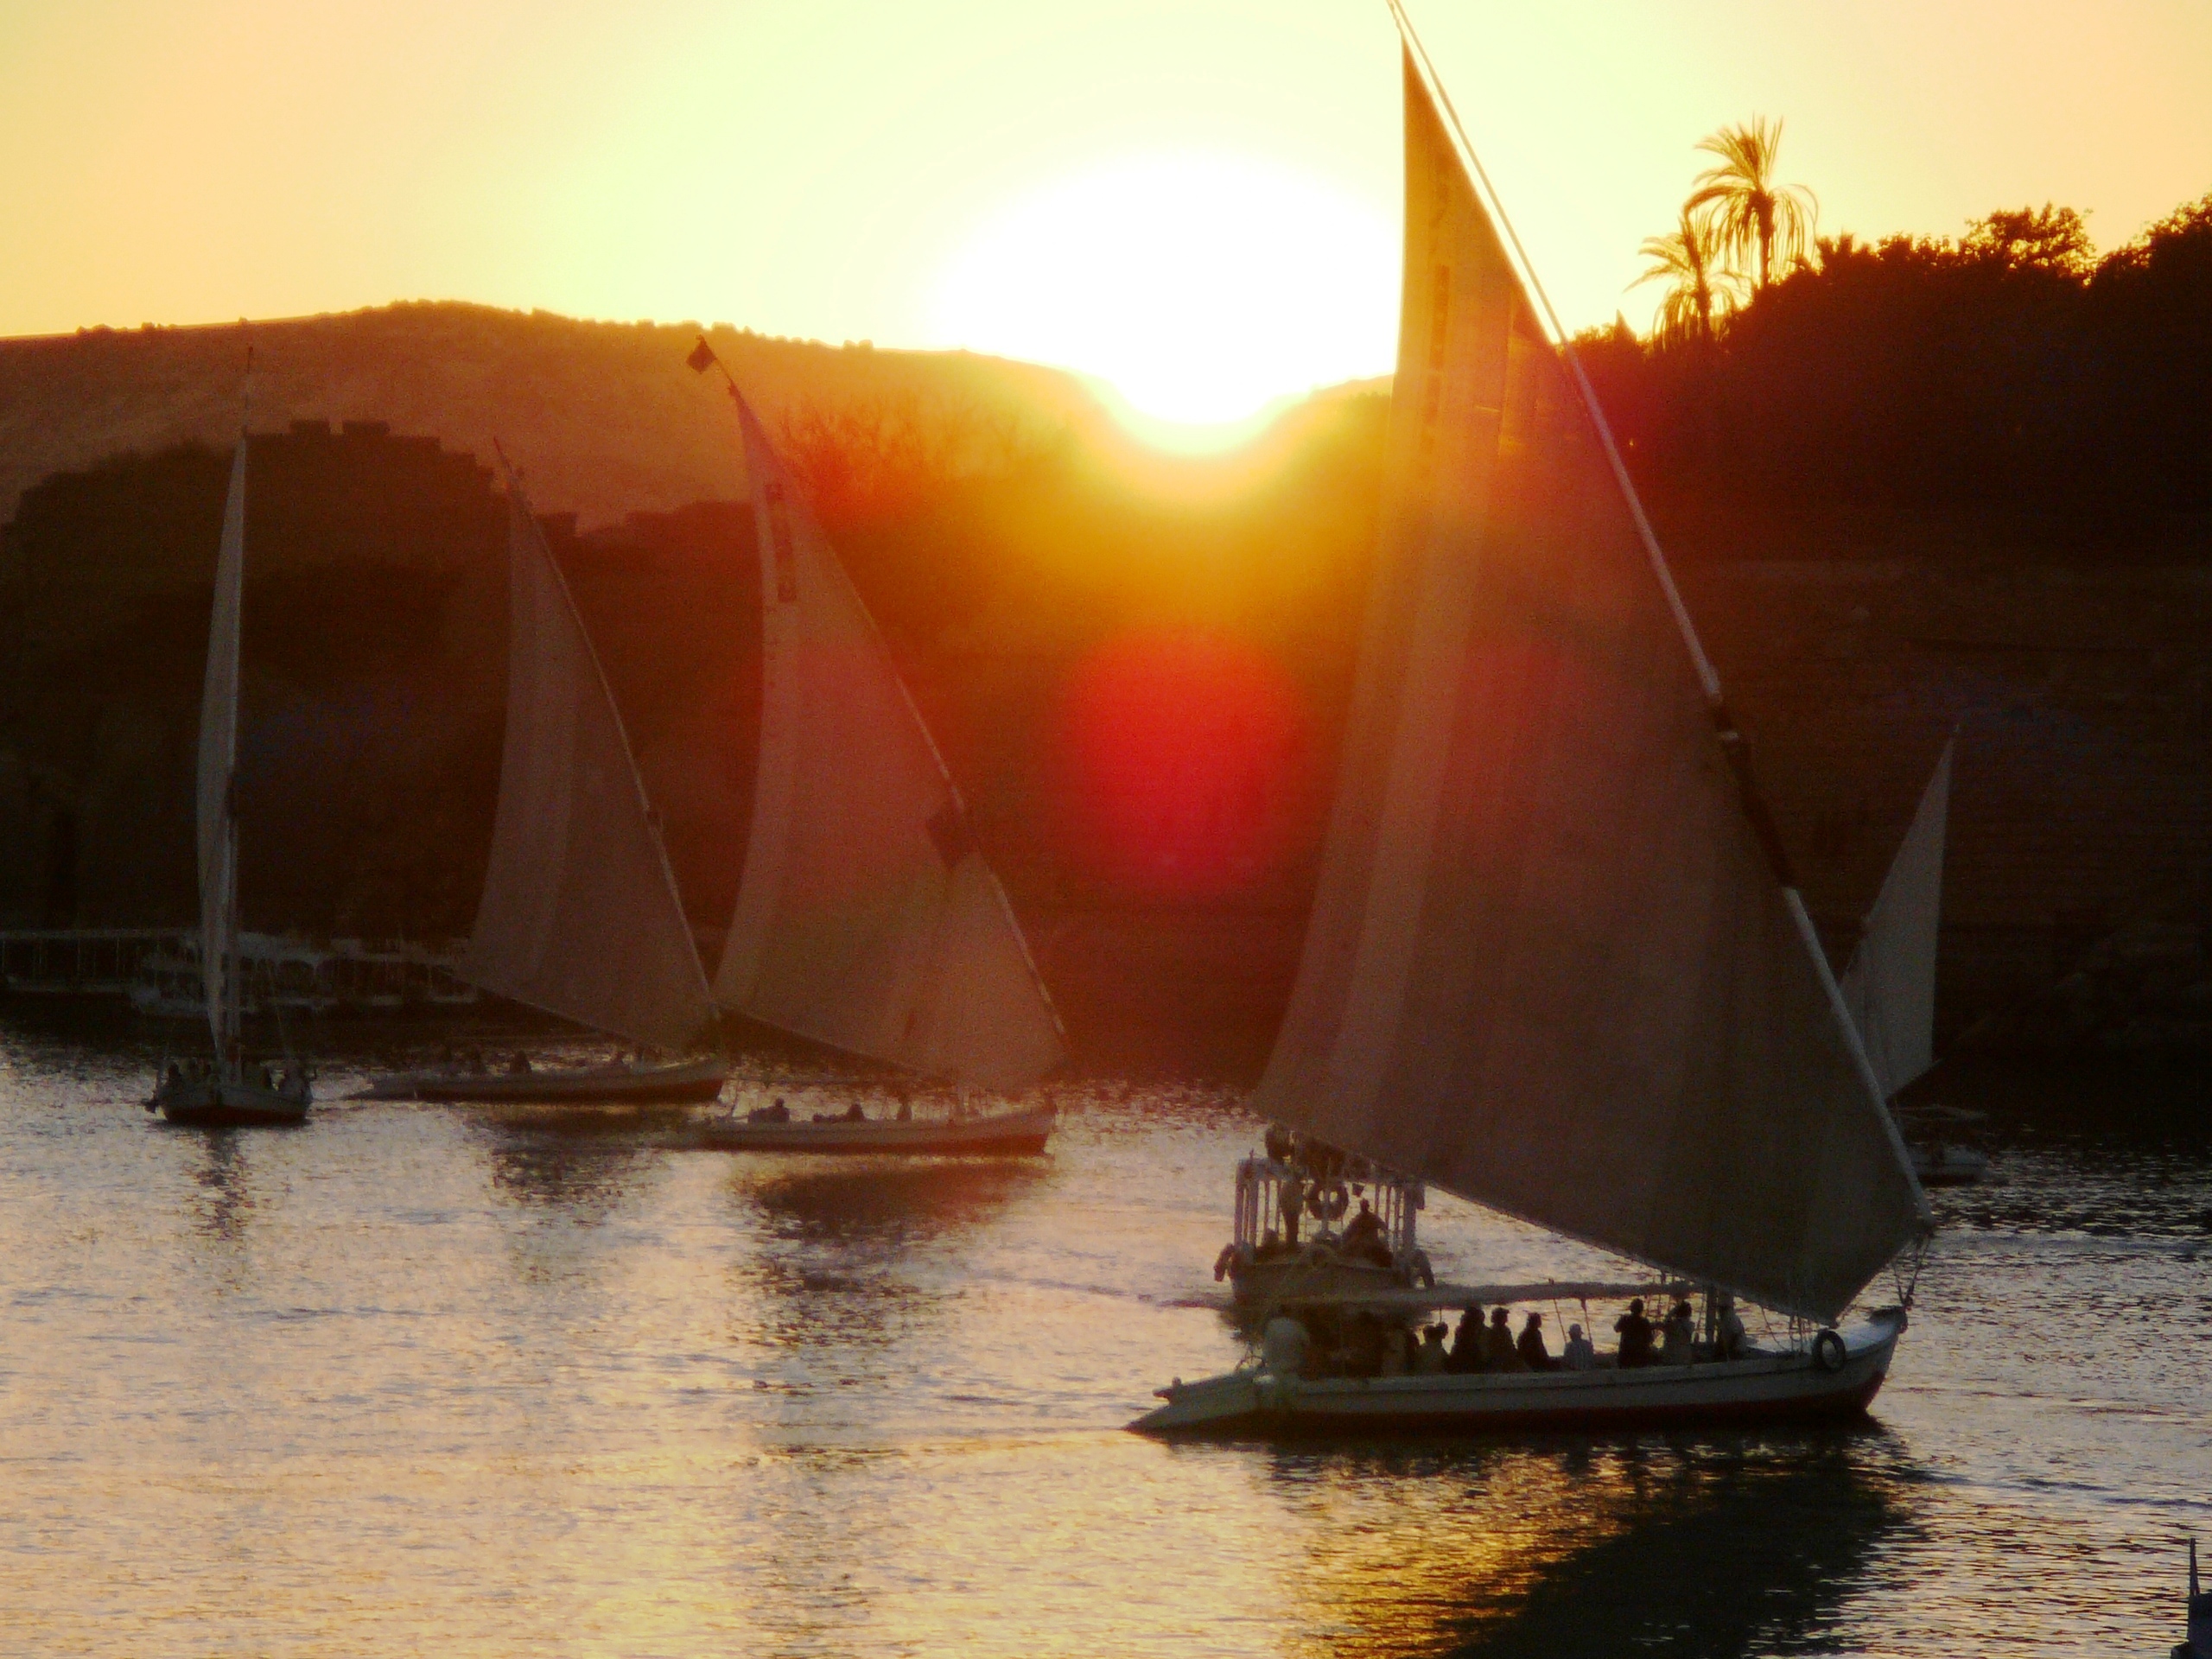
column 1202, row 287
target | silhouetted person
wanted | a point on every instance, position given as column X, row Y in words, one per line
column 1681, row 1333
column 1498, row 1352
column 1467, row 1353
column 1430, row 1359
column 1634, row 1333
column 1581, row 1354
column 1364, row 1236
column 1729, row 1342
column 1530, row 1346
column 1291, row 1200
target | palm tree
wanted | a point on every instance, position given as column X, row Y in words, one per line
column 1750, row 212
column 1683, row 260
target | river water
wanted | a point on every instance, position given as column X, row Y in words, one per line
column 420, row 1379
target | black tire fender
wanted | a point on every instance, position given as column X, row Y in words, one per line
column 1827, row 1352
column 1328, row 1203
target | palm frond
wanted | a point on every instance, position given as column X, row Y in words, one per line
column 1754, row 220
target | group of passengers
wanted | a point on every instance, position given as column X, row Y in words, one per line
column 1369, row 1345
column 1674, row 1341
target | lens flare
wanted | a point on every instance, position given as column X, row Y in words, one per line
column 1183, row 753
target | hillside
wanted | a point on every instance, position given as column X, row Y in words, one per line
column 603, row 416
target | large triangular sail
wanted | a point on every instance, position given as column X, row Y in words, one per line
column 866, row 917
column 1550, row 966
column 216, row 781
column 1889, row 985
column 580, row 915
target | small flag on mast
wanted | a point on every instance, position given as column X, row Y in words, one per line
column 702, row 357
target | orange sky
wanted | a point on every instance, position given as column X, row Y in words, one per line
column 1195, row 200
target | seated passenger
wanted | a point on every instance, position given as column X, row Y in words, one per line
column 1430, row 1359
column 777, row 1113
column 1731, row 1344
column 1467, row 1355
column 1634, row 1333
column 855, row 1115
column 1681, row 1331
column 1364, row 1236
column 1581, row 1353
column 1498, row 1352
column 1530, row 1347
column 1285, row 1347
column 518, row 1064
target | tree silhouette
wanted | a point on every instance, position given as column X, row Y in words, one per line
column 1683, row 260
column 1750, row 213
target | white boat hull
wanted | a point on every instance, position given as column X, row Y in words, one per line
column 1763, row 1389
column 1005, row 1135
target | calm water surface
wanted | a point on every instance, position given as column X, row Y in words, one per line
column 421, row 1379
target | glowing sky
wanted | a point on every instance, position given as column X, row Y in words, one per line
column 1197, row 200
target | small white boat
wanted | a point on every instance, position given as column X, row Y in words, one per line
column 623, row 1083
column 1019, row 1132
column 1289, row 1240
column 226, row 1090
column 1834, row 1377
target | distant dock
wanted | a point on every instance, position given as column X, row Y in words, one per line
column 158, row 970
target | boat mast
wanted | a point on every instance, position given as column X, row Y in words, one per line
column 219, row 759
column 1730, row 735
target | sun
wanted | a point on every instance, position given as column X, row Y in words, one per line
column 1203, row 287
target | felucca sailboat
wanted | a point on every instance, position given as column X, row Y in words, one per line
column 226, row 1089
column 1557, row 963
column 580, row 915
column 1889, row 986
column 867, row 918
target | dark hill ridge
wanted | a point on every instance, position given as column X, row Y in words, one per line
column 603, row 416
column 1137, row 669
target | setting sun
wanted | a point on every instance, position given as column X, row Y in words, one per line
column 1201, row 286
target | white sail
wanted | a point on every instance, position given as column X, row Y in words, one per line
column 216, row 806
column 580, row 914
column 866, row 919
column 1889, row 985
column 1550, row 966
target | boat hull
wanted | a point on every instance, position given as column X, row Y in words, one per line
column 202, row 1104
column 1258, row 1285
column 1007, row 1134
column 692, row 1082
column 1949, row 1166
column 1764, row 1389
